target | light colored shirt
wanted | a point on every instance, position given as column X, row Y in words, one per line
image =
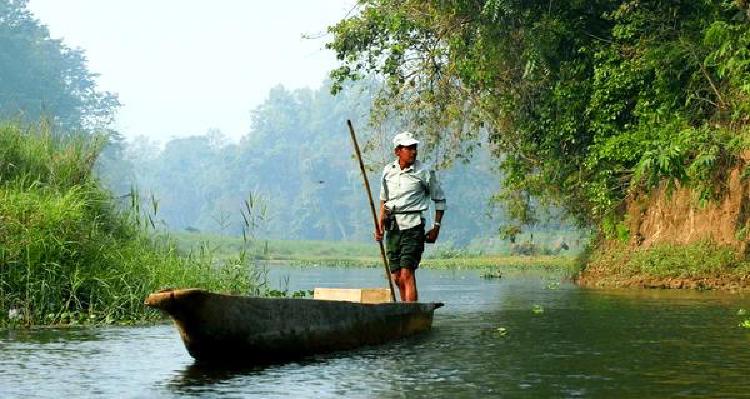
column 407, row 193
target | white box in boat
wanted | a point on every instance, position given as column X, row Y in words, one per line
column 360, row 295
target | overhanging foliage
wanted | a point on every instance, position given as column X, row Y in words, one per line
column 583, row 100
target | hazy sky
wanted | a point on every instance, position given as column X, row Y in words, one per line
column 182, row 67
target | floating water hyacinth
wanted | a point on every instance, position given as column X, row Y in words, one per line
column 502, row 331
column 537, row 309
column 745, row 324
column 491, row 275
column 741, row 312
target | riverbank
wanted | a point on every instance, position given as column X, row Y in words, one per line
column 702, row 265
column 460, row 263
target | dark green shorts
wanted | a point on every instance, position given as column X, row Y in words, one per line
column 405, row 247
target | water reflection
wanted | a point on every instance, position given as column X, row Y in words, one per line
column 198, row 375
column 49, row 335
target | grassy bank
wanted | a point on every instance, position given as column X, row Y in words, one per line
column 68, row 255
column 700, row 265
column 367, row 254
column 305, row 251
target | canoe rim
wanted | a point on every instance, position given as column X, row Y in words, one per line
column 162, row 298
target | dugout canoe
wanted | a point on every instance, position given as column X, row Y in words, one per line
column 251, row 330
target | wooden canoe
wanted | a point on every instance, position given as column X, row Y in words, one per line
column 251, row 330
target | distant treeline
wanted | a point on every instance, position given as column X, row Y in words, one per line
column 297, row 160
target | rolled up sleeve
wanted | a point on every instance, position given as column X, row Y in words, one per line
column 383, row 188
column 436, row 192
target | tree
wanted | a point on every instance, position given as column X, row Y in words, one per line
column 298, row 156
column 584, row 101
column 41, row 77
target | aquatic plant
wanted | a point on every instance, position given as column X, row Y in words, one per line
column 537, row 309
column 274, row 293
column 491, row 275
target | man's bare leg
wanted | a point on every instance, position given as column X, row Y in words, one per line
column 408, row 280
column 398, row 282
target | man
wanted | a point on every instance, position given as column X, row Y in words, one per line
column 406, row 188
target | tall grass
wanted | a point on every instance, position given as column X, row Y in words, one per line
column 68, row 255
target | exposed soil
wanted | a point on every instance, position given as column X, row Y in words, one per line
column 675, row 216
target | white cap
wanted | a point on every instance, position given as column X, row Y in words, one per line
column 404, row 139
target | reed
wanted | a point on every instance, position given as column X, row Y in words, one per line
column 68, row 255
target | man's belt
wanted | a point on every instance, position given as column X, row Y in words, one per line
column 403, row 212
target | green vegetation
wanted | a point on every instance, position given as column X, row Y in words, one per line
column 487, row 262
column 584, row 102
column 68, row 255
column 367, row 254
column 225, row 245
column 700, row 260
column 538, row 263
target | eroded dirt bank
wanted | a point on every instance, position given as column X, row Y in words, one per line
column 674, row 241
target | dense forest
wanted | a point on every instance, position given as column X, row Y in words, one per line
column 584, row 102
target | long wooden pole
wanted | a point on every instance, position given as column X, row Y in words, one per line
column 372, row 208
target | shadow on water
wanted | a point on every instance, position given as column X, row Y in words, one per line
column 200, row 378
column 201, row 374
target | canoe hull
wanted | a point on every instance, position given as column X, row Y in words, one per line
column 228, row 328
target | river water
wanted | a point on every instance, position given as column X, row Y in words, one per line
column 519, row 336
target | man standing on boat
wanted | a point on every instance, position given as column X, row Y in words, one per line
column 406, row 188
